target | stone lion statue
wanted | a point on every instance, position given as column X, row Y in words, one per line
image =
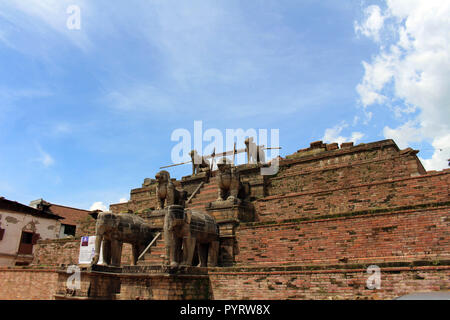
column 166, row 193
column 228, row 181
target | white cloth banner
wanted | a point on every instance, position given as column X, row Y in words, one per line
column 87, row 250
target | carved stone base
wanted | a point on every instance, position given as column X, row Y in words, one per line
column 137, row 283
column 228, row 214
column 231, row 210
column 96, row 283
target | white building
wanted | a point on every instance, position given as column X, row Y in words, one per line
column 20, row 228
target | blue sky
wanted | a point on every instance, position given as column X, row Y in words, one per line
column 86, row 115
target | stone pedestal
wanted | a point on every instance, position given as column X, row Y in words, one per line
column 137, row 283
column 96, row 283
column 163, row 283
column 228, row 214
column 236, row 210
column 251, row 174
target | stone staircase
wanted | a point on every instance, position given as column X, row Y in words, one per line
column 207, row 193
column 155, row 255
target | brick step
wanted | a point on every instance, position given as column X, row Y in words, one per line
column 210, row 197
column 150, row 258
column 157, row 251
column 200, row 203
column 209, row 186
column 197, row 207
column 207, row 191
column 155, row 255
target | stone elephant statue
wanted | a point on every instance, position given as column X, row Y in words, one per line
column 115, row 229
column 184, row 231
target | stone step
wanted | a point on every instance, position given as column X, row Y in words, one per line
column 198, row 204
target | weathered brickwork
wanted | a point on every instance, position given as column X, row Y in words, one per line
column 140, row 199
column 338, row 172
column 93, row 285
column 165, row 287
column 428, row 188
column 59, row 252
column 378, row 237
column 327, row 284
column 27, row 283
column 86, row 226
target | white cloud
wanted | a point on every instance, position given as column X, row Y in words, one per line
column 403, row 135
column 333, row 134
column 441, row 154
column 45, row 158
column 123, row 200
column 413, row 69
column 372, row 24
column 98, row 206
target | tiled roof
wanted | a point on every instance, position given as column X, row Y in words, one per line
column 71, row 215
column 17, row 207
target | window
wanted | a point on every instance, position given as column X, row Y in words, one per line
column 69, row 230
column 27, row 237
column 2, row 232
column 27, row 241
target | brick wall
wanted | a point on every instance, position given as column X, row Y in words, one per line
column 140, row 199
column 337, row 172
column 383, row 236
column 327, row 283
column 66, row 252
column 57, row 252
column 165, row 287
column 262, row 283
column 27, row 283
column 85, row 226
column 433, row 187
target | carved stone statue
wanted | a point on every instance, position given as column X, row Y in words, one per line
column 115, row 229
column 228, row 181
column 255, row 153
column 166, row 193
column 199, row 163
column 184, row 230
